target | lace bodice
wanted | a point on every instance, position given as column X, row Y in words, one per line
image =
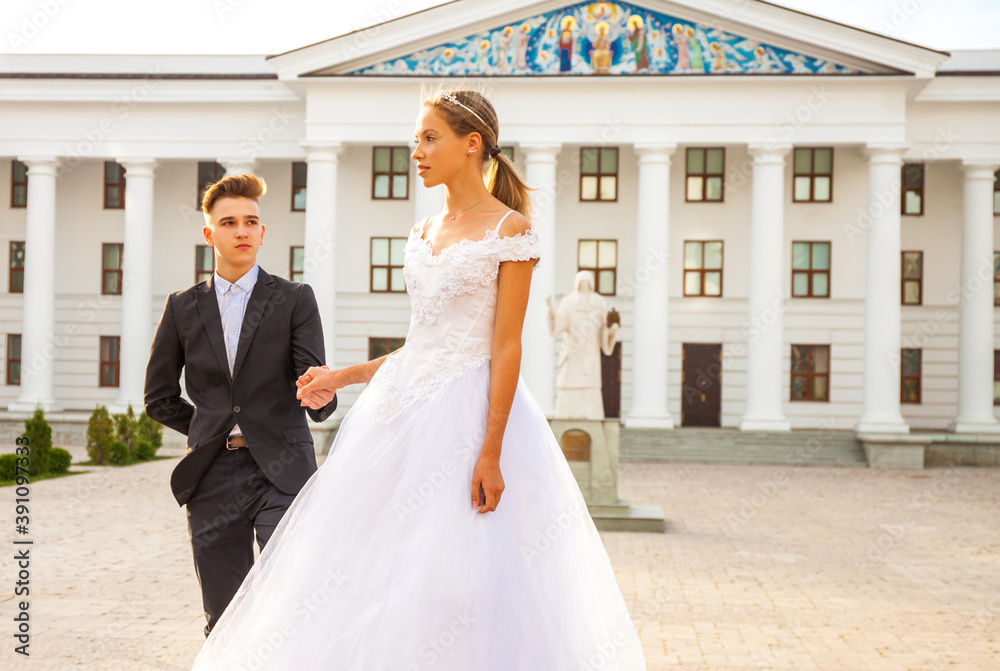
column 453, row 296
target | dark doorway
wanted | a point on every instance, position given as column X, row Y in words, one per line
column 701, row 385
column 611, row 381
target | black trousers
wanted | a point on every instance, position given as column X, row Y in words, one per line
column 233, row 501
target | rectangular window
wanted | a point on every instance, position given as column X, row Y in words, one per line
column 381, row 346
column 599, row 173
column 111, row 272
column 209, row 172
column 508, row 152
column 18, row 184
column 811, row 269
column 204, row 263
column 813, row 170
column 390, row 172
column 705, row 174
column 996, row 192
column 387, row 265
column 810, row 372
column 114, row 186
column 13, row 358
column 296, row 263
column 109, row 360
column 601, row 258
column 913, row 278
column 996, row 278
column 15, row 280
column 913, row 188
column 300, row 172
column 703, row 267
column 909, row 381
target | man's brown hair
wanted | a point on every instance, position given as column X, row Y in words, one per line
column 233, row 186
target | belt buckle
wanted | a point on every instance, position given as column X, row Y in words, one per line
column 235, row 435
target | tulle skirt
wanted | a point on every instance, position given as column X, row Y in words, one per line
column 382, row 564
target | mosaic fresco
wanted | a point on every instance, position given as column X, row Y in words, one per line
column 604, row 38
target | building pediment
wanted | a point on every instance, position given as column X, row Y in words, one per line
column 680, row 37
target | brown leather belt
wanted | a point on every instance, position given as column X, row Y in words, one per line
column 235, row 441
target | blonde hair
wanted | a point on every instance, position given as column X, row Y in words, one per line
column 467, row 111
column 233, row 186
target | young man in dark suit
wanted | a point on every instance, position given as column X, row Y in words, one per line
column 242, row 337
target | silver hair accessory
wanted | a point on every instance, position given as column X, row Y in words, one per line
column 450, row 98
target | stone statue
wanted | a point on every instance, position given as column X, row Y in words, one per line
column 588, row 329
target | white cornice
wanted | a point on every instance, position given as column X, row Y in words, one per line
column 146, row 89
column 760, row 20
column 961, row 89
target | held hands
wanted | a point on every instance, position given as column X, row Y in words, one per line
column 487, row 483
column 316, row 387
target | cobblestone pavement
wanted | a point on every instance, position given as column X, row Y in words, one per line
column 761, row 567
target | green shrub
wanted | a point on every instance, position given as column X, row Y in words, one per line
column 118, row 453
column 39, row 435
column 145, row 450
column 100, row 435
column 59, row 460
column 126, row 429
column 150, row 430
column 8, row 466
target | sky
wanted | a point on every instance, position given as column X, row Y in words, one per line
column 275, row 26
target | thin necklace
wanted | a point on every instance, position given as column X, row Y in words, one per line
column 469, row 207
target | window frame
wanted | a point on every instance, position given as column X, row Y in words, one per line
column 392, row 173
column 117, row 271
column 902, row 179
column 597, row 269
column 919, row 376
column 291, row 264
column 704, row 175
column 11, row 269
column 202, row 188
column 198, row 271
column 996, row 194
column 10, row 360
column 702, row 270
column 903, row 279
column 810, row 271
column 115, row 363
column 297, row 187
column 389, row 268
column 120, row 184
column 599, row 174
column 810, row 376
column 14, row 183
column 388, row 345
column 812, row 175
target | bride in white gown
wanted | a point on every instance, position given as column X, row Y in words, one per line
column 381, row 563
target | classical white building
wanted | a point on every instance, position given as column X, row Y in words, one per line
column 794, row 217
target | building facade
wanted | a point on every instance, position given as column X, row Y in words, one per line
column 796, row 219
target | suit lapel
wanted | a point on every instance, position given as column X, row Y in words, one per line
column 208, row 307
column 253, row 316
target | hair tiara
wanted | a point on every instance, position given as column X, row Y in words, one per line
column 447, row 95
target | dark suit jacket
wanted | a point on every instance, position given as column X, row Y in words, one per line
column 280, row 337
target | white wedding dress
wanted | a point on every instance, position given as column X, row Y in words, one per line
column 382, row 564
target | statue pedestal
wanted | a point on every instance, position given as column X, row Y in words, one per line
column 591, row 448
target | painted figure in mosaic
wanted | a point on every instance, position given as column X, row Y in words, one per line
column 600, row 59
column 522, row 47
column 637, row 35
column 694, row 48
column 568, row 25
column 503, row 49
column 718, row 57
column 680, row 39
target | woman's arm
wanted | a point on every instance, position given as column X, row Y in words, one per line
column 317, row 379
column 513, row 283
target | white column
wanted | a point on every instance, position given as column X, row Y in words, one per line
column 137, row 283
column 537, row 350
column 651, row 302
column 768, row 297
column 237, row 166
column 880, row 412
column 38, row 349
column 320, row 267
column 975, row 327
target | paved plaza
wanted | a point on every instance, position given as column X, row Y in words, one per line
column 762, row 567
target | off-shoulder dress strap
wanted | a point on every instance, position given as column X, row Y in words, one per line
column 496, row 229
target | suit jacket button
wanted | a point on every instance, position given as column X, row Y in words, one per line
column 236, row 408
column 322, row 415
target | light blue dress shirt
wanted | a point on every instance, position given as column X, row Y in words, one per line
column 233, row 298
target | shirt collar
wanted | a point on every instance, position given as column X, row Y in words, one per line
column 246, row 282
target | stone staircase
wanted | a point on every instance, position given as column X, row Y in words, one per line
column 805, row 447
